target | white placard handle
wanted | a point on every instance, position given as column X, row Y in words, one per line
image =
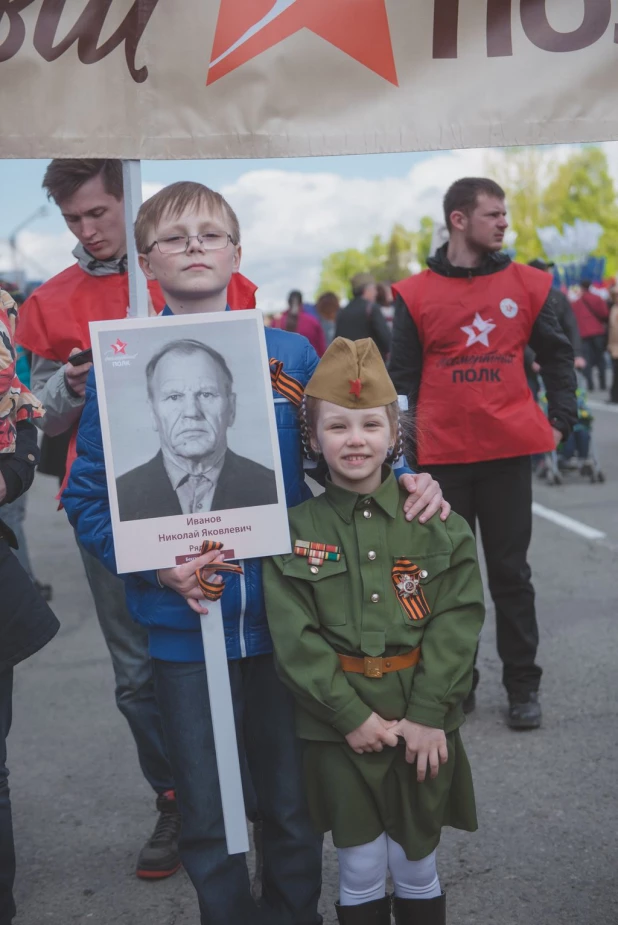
column 224, row 728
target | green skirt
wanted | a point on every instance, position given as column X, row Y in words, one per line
column 357, row 797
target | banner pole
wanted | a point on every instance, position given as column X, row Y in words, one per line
column 138, row 292
column 224, row 729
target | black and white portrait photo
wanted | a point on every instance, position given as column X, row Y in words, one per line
column 189, row 434
column 192, row 406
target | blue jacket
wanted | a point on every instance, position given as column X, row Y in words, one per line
column 174, row 629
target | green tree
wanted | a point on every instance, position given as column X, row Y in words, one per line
column 387, row 260
column 400, row 251
column 582, row 187
column 424, row 239
column 338, row 269
column 541, row 194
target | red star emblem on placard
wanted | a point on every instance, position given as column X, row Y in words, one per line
column 246, row 28
column 119, row 346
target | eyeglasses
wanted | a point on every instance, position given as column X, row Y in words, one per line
column 179, row 243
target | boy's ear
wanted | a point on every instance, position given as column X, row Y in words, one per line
column 237, row 259
column 144, row 262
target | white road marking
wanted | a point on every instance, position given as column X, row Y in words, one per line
column 575, row 526
column 601, row 406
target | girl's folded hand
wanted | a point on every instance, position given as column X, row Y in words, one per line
column 424, row 745
column 372, row 735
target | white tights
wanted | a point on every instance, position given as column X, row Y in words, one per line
column 362, row 873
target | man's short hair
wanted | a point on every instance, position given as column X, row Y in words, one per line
column 185, row 348
column 359, row 283
column 586, row 284
column 295, row 296
column 172, row 202
column 64, row 176
column 463, row 195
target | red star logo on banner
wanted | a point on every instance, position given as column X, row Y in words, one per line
column 119, row 347
column 246, row 28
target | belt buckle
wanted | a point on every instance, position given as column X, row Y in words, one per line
column 372, row 667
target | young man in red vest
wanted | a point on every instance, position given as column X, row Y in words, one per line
column 53, row 325
column 459, row 336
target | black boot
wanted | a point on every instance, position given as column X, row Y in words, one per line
column 420, row 911
column 377, row 912
column 525, row 712
column 159, row 856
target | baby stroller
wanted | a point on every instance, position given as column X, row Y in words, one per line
column 577, row 454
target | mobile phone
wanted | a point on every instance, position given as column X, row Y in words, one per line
column 78, row 359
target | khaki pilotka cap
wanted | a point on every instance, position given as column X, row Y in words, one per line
column 352, row 374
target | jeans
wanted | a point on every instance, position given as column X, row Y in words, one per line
column 292, row 851
column 594, row 353
column 498, row 494
column 7, row 848
column 578, row 443
column 14, row 515
column 128, row 646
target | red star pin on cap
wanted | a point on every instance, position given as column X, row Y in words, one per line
column 355, row 387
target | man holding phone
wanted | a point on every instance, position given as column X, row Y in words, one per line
column 54, row 326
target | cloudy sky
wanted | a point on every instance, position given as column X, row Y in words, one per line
column 292, row 212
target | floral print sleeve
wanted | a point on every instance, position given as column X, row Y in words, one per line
column 16, row 402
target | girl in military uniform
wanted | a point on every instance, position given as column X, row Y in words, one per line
column 375, row 622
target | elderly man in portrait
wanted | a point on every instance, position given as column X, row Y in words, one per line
column 191, row 398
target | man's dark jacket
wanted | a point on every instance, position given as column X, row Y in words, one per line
column 147, row 492
column 568, row 324
column 362, row 319
column 553, row 351
column 26, row 622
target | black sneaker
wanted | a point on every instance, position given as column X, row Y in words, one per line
column 525, row 714
column 159, row 856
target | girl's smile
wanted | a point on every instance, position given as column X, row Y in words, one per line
column 355, row 444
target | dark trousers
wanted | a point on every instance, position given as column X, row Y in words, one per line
column 292, row 851
column 7, row 849
column 498, row 495
column 594, row 354
column 613, row 395
column 128, row 646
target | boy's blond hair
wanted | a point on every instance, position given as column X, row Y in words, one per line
column 172, row 202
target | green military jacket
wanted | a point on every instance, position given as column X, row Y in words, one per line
column 351, row 606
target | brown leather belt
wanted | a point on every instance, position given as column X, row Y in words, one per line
column 376, row 667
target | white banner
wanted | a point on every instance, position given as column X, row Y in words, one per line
column 147, row 79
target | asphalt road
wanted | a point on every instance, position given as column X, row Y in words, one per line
column 547, row 848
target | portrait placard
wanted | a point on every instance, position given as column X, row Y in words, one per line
column 190, row 438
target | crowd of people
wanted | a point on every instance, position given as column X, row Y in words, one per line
column 348, row 692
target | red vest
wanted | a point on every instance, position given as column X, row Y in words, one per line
column 56, row 316
column 474, row 401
